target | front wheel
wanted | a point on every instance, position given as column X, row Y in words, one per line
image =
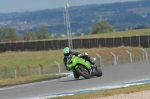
column 83, row 71
column 76, row 75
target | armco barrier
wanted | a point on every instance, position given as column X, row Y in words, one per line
column 134, row 41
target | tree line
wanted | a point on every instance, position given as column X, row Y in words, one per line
column 10, row 35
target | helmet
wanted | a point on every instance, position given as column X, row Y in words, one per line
column 66, row 51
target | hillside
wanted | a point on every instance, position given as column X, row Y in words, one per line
column 123, row 16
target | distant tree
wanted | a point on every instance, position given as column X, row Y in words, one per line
column 8, row 34
column 2, row 34
column 43, row 33
column 27, row 35
column 101, row 27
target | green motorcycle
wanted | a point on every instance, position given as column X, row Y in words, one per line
column 82, row 67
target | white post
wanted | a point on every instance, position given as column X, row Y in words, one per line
column 130, row 55
column 143, row 56
column 58, row 67
column 100, row 60
column 145, row 53
column 115, row 58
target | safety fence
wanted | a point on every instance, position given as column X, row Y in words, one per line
column 133, row 41
column 7, row 72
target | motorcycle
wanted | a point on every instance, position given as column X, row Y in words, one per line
column 81, row 67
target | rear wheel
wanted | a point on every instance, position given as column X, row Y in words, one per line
column 98, row 72
column 83, row 71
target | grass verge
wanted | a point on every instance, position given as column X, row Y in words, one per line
column 105, row 93
column 26, row 80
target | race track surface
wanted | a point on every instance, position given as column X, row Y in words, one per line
column 111, row 75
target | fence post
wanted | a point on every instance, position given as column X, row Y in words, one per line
column 29, row 70
column 148, row 40
column 113, row 42
column 18, row 71
column 115, row 58
column 145, row 53
column 130, row 55
column 41, row 69
column 6, row 71
column 100, row 60
column 122, row 41
column 58, row 66
column 139, row 40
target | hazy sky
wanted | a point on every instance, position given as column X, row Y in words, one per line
column 7, row 6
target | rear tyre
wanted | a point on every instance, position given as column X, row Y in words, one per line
column 83, row 71
column 76, row 75
column 98, row 72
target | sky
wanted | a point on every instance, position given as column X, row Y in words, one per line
column 7, row 6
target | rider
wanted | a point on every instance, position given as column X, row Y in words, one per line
column 68, row 52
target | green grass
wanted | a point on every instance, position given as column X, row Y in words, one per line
column 105, row 93
column 29, row 79
column 118, row 34
column 22, row 59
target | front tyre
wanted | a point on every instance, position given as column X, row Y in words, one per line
column 83, row 71
column 76, row 75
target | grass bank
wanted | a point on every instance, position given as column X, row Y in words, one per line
column 26, row 80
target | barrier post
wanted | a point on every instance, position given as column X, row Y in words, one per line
column 130, row 55
column 6, row 71
column 146, row 53
column 18, row 71
column 115, row 58
column 29, row 70
column 58, row 66
column 100, row 60
column 41, row 69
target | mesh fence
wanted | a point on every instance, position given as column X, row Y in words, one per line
column 2, row 73
column 28, row 71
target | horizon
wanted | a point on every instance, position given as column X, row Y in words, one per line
column 9, row 6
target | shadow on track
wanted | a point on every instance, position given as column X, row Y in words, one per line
column 69, row 80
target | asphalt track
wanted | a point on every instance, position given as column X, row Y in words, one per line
column 111, row 75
